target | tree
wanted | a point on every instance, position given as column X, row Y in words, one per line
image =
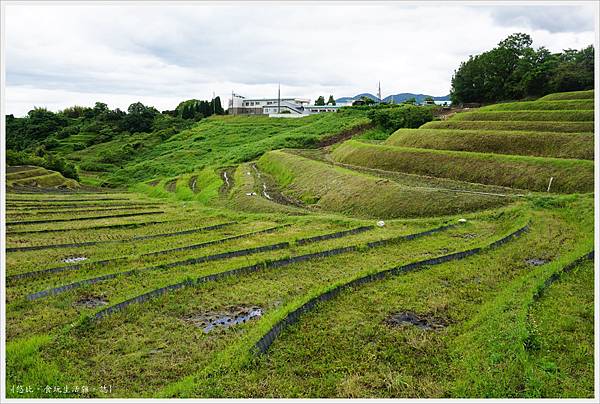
column 367, row 100
column 411, row 101
column 139, row 118
column 320, row 100
column 514, row 70
column 331, row 101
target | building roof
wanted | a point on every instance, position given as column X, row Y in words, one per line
column 275, row 99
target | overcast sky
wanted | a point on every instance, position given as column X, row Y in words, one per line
column 161, row 54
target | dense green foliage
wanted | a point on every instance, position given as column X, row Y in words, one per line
column 515, row 70
column 197, row 109
column 46, row 160
column 400, row 116
column 50, row 134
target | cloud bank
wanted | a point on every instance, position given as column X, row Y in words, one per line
column 161, row 54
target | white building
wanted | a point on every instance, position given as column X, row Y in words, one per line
column 292, row 107
column 239, row 105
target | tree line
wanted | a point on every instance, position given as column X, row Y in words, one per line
column 36, row 137
column 515, row 70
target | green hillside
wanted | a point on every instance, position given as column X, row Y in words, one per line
column 37, row 177
column 213, row 142
column 247, row 256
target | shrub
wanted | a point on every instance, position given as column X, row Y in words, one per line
column 402, row 116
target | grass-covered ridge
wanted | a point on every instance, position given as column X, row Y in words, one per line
column 349, row 192
column 587, row 104
column 547, row 126
column 525, row 143
column 560, row 115
column 532, row 173
column 569, row 95
column 37, row 177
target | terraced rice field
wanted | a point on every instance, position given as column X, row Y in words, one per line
column 273, row 277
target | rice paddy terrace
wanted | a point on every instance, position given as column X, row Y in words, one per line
column 273, row 277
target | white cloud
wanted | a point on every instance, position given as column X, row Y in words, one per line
column 161, row 54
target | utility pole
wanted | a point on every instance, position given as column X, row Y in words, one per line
column 279, row 99
column 379, row 91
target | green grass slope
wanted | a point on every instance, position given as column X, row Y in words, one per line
column 348, row 192
column 551, row 126
column 560, row 115
column 542, row 105
column 570, row 95
column 532, row 173
column 525, row 143
column 216, row 141
column 30, row 176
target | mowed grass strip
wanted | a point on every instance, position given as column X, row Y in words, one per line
column 71, row 219
column 561, row 340
column 141, row 254
column 561, row 116
column 569, row 95
column 532, row 173
column 147, row 237
column 542, row 105
column 530, row 126
column 72, row 213
column 336, row 189
column 185, row 347
column 47, row 180
column 361, row 355
column 524, row 143
column 263, row 345
column 65, row 306
column 198, row 260
column 307, row 279
column 32, row 171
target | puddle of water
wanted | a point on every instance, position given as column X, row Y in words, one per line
column 70, row 260
column 209, row 321
column 536, row 261
column 409, row 318
column 91, row 302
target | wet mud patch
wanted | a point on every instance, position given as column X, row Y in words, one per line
column 91, row 302
column 268, row 190
column 231, row 316
column 70, row 260
column 227, row 178
column 466, row 235
column 536, row 262
column 408, row 318
column 171, row 185
column 192, row 184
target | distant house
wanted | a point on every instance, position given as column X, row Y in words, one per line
column 292, row 107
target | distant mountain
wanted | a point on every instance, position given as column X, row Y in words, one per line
column 396, row 98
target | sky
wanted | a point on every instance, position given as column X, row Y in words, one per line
column 63, row 54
